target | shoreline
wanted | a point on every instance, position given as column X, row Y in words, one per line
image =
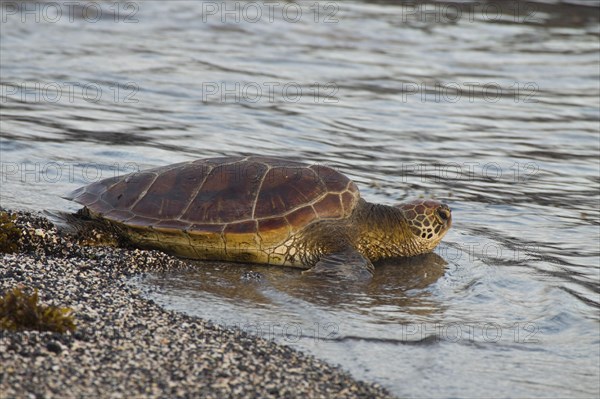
column 126, row 346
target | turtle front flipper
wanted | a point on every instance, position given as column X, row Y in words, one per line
column 346, row 264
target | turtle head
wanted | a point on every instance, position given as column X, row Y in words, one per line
column 428, row 221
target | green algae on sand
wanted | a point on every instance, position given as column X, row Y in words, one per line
column 9, row 233
column 21, row 311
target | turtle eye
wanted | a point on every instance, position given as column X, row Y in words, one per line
column 443, row 214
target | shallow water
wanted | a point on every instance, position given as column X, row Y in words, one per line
column 491, row 109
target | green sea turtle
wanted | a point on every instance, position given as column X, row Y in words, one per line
column 263, row 210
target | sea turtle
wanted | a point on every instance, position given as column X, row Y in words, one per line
column 262, row 210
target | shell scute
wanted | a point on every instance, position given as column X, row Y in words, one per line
column 349, row 200
column 247, row 227
column 333, row 180
column 227, row 195
column 168, row 194
column 124, row 192
column 329, row 207
column 273, row 224
column 285, row 189
column 301, row 217
column 101, row 186
column 119, row 215
column 88, row 199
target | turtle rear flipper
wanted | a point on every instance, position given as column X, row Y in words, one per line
column 347, row 264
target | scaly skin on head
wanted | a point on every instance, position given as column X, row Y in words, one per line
column 407, row 229
column 384, row 232
column 380, row 231
column 429, row 221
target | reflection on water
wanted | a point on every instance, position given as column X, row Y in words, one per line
column 494, row 110
column 397, row 284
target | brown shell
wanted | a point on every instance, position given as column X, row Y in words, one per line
column 246, row 195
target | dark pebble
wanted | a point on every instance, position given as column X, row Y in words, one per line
column 54, row 347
